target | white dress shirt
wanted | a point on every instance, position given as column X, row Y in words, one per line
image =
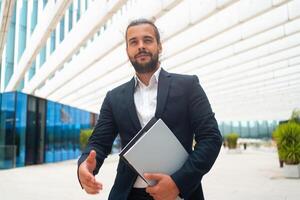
column 145, row 100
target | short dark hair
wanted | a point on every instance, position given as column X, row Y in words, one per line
column 143, row 21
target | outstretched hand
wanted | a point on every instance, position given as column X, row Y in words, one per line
column 86, row 177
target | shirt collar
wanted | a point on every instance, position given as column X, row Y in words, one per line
column 155, row 76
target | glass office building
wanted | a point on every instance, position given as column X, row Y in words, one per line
column 249, row 129
column 245, row 53
column 34, row 130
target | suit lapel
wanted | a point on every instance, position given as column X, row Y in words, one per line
column 162, row 93
column 129, row 98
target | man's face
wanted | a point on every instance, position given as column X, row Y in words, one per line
column 142, row 48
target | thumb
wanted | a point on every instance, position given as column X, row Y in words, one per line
column 153, row 176
column 91, row 159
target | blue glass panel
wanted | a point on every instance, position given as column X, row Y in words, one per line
column 52, row 41
column 31, row 70
column 31, row 131
column 7, row 118
column 22, row 30
column 245, row 129
column 42, row 55
column 41, row 129
column 10, row 48
column 86, row 5
column 71, row 147
column 78, row 10
column 62, row 29
column 65, row 118
column 21, row 111
column 34, row 15
column 0, row 116
column 236, row 127
column 70, row 17
column 45, row 3
column 88, row 120
column 77, row 132
column 49, row 137
column 57, row 133
column 263, row 129
column 82, row 120
column 254, row 127
column 7, row 136
column 272, row 126
column 227, row 128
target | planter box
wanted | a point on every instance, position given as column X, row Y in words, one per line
column 291, row 171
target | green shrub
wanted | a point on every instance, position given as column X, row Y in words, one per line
column 84, row 137
column 287, row 137
column 231, row 140
column 295, row 117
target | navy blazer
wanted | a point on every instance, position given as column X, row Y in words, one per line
column 184, row 107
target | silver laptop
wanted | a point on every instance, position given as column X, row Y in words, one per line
column 156, row 150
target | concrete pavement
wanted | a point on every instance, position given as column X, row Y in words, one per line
column 253, row 174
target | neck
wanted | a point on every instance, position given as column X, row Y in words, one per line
column 145, row 77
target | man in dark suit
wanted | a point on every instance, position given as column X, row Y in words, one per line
column 177, row 99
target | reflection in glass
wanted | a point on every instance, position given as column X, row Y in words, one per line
column 21, row 119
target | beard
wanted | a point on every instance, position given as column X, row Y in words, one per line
column 147, row 67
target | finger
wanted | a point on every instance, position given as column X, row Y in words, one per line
column 151, row 190
column 86, row 176
column 92, row 157
column 155, row 197
column 90, row 179
column 154, row 176
column 98, row 184
column 91, row 190
column 95, row 185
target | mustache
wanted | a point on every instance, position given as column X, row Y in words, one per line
column 143, row 53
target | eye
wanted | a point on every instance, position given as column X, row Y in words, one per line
column 133, row 42
column 148, row 40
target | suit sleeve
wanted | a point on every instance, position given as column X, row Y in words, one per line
column 208, row 141
column 102, row 136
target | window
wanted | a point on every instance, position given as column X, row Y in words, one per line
column 70, row 17
column 52, row 41
column 49, row 136
column 62, row 29
column 34, row 15
column 7, row 123
column 21, row 100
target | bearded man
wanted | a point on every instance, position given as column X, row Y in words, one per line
column 178, row 100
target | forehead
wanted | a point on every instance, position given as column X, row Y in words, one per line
column 140, row 30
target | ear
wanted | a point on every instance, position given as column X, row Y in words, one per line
column 127, row 50
column 159, row 48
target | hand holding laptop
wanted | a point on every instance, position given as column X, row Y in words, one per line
column 165, row 187
column 156, row 151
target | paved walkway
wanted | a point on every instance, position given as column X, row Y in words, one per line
column 253, row 174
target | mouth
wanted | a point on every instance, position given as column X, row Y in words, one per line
column 142, row 55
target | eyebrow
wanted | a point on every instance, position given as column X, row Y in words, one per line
column 131, row 39
column 144, row 37
column 148, row 37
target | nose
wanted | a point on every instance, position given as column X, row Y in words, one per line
column 141, row 45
